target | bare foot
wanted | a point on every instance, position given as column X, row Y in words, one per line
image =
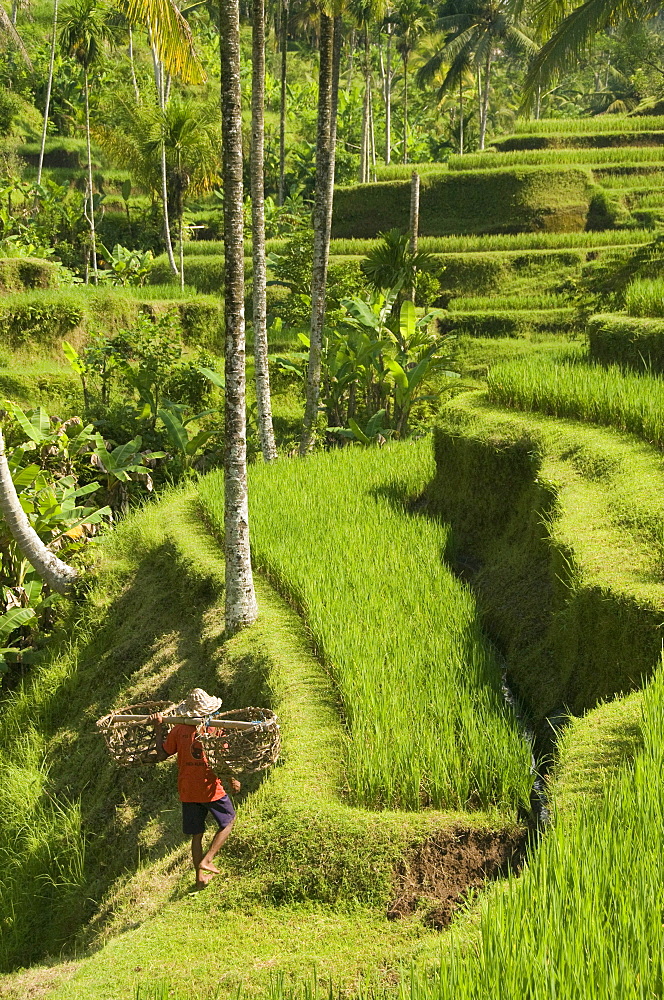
column 208, row 866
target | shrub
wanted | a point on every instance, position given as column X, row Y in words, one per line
column 18, row 273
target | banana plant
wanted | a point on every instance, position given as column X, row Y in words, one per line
column 407, row 382
column 123, row 465
column 373, row 432
column 186, row 441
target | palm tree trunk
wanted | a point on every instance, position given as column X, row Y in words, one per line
column 49, row 85
column 241, row 608
column 181, row 247
column 91, row 220
column 282, row 105
column 405, row 110
column 137, row 93
column 364, row 143
column 485, row 97
column 351, row 53
column 263, row 401
column 388, row 98
column 414, row 211
column 322, row 208
column 159, row 84
column 461, row 124
column 372, row 138
column 57, row 574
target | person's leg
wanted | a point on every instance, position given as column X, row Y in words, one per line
column 206, row 863
column 197, row 849
column 223, row 812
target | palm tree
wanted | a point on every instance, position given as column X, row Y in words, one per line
column 241, row 608
column 472, row 30
column 411, row 19
column 85, row 30
column 572, row 36
column 263, row 402
column 57, row 574
column 366, row 13
column 282, row 102
column 49, row 85
column 328, row 84
column 8, row 28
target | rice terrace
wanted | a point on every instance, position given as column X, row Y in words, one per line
column 331, row 500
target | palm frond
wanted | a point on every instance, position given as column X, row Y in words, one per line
column 573, row 38
column 171, row 35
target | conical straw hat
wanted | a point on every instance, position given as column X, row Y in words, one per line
column 198, row 702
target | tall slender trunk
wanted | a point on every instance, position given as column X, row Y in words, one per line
column 485, row 97
column 364, row 141
column 372, row 138
column 263, row 401
column 91, row 220
column 461, row 122
column 181, row 246
column 241, row 608
column 57, row 574
column 538, row 101
column 414, row 219
column 351, row 53
column 49, row 85
column 282, row 105
column 405, row 109
column 161, row 99
column 322, row 209
column 388, row 97
column 137, row 93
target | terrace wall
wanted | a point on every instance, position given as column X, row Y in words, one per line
column 497, row 201
column 527, row 498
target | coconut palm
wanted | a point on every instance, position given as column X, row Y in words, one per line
column 572, row 35
column 8, row 28
column 411, row 19
column 366, row 13
column 263, row 402
column 240, row 598
column 328, row 83
column 83, row 35
column 472, row 31
column 49, row 85
column 57, row 574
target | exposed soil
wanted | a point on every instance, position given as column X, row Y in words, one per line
column 437, row 875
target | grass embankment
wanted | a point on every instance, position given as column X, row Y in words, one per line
column 559, row 527
column 605, row 123
column 153, row 627
column 419, row 689
column 566, row 388
column 39, row 319
column 517, row 200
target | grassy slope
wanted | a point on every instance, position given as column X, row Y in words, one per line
column 293, row 896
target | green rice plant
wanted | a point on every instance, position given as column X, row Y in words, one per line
column 404, row 171
column 630, row 155
column 608, row 123
column 597, row 395
column 513, row 241
column 584, row 918
column 473, row 303
column 418, row 686
column 645, row 297
column 152, row 293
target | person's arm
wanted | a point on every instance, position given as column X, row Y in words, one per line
column 157, row 721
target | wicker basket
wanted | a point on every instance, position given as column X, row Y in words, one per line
column 243, row 751
column 131, row 745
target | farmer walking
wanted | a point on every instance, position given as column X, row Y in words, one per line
column 200, row 791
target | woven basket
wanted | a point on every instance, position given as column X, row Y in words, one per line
column 133, row 745
column 243, row 751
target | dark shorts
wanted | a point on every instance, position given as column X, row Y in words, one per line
column 194, row 814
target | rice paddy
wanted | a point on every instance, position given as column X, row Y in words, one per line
column 607, row 396
column 419, row 688
column 599, row 123
column 628, row 155
column 497, row 242
column 645, row 297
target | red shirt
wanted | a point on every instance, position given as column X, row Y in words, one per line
column 197, row 782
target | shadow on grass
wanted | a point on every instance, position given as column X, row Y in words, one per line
column 163, row 635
